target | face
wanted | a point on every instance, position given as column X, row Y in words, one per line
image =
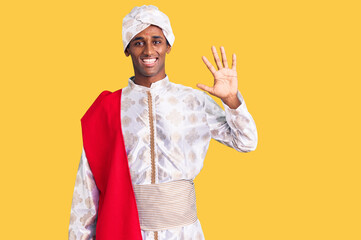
column 148, row 50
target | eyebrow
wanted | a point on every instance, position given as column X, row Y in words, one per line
column 141, row 38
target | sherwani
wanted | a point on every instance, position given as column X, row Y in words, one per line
column 167, row 129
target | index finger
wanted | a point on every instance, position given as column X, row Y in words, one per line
column 209, row 65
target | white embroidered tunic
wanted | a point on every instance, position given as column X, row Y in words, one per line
column 167, row 129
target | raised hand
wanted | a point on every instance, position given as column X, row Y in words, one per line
column 225, row 79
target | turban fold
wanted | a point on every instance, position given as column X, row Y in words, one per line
column 142, row 17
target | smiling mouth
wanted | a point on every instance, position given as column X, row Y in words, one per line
column 149, row 61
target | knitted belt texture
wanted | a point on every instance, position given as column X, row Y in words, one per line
column 166, row 205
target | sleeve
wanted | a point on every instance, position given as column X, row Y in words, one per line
column 233, row 127
column 84, row 207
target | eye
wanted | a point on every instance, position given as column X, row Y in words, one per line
column 138, row 43
column 157, row 42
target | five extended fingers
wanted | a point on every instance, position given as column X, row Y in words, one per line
column 219, row 65
column 218, row 61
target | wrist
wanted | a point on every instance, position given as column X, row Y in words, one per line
column 232, row 101
column 229, row 98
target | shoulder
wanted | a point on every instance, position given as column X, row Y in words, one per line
column 186, row 91
column 194, row 99
column 107, row 96
column 105, row 99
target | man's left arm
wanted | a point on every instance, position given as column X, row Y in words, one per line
column 236, row 128
column 232, row 127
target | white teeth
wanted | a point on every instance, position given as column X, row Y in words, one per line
column 149, row 60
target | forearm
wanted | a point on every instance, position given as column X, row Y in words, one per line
column 84, row 206
column 232, row 127
column 242, row 125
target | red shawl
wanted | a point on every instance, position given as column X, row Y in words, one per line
column 104, row 147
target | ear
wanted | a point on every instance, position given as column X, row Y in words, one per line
column 169, row 48
column 126, row 52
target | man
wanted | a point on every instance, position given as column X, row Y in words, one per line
column 164, row 133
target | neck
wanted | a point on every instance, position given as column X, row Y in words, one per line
column 147, row 81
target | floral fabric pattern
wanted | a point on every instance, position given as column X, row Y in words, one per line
column 184, row 121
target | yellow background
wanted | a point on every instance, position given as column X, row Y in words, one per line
column 299, row 72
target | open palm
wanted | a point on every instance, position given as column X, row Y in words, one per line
column 225, row 78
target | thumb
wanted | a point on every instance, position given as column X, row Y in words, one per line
column 205, row 88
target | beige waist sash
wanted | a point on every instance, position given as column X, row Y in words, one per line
column 166, row 205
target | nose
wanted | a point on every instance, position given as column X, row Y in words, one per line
column 148, row 49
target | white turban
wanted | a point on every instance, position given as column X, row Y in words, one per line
column 142, row 17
